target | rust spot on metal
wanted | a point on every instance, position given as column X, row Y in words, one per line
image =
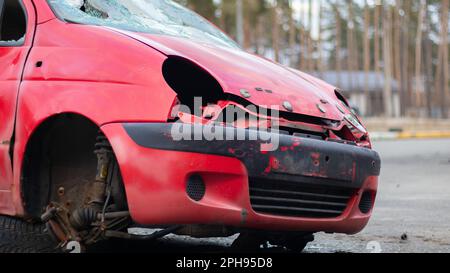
column 104, row 171
column 316, row 159
column 274, row 164
column 315, row 156
column 61, row 191
column 58, row 232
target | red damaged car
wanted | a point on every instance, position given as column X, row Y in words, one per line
column 139, row 113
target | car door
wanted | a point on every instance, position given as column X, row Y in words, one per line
column 15, row 43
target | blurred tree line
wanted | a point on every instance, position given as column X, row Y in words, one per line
column 406, row 41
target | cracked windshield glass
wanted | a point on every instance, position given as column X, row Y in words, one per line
column 163, row 17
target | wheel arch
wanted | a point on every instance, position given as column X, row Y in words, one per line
column 64, row 133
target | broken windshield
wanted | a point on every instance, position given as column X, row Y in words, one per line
column 151, row 16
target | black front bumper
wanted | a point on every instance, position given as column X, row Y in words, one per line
column 301, row 160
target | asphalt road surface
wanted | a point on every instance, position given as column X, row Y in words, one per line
column 413, row 202
column 412, row 213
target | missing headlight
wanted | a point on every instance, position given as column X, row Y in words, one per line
column 190, row 81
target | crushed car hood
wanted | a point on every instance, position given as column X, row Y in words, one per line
column 238, row 71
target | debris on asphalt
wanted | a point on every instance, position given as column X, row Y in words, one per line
column 404, row 237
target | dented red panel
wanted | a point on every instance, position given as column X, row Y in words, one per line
column 237, row 70
column 12, row 63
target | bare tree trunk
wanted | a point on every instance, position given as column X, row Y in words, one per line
column 310, row 39
column 301, row 57
column 239, row 22
column 377, row 37
column 418, row 55
column 222, row 15
column 351, row 58
column 445, row 60
column 387, row 56
column 292, row 33
column 406, row 49
column 338, row 45
column 404, row 58
column 275, row 33
column 303, row 63
column 260, row 35
column 248, row 34
column 442, row 71
column 439, row 95
column 397, row 51
column 320, row 65
column 367, row 61
column 428, row 58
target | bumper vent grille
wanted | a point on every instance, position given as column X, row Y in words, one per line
column 196, row 188
column 366, row 203
column 295, row 199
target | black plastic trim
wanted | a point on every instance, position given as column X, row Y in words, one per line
column 298, row 159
